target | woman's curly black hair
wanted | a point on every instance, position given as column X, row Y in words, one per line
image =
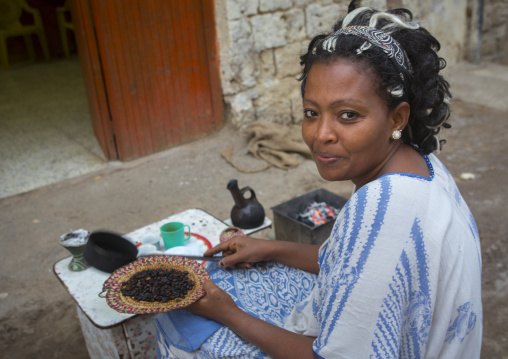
column 426, row 91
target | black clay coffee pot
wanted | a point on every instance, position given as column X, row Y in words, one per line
column 247, row 213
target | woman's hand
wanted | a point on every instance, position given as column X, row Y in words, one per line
column 242, row 252
column 216, row 304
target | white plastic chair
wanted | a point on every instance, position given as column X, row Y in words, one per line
column 11, row 26
column 64, row 25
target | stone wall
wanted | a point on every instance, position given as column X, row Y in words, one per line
column 495, row 31
column 260, row 42
column 259, row 45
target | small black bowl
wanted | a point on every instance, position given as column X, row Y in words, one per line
column 109, row 251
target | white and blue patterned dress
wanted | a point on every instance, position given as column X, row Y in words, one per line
column 400, row 277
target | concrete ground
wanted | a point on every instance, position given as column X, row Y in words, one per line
column 37, row 316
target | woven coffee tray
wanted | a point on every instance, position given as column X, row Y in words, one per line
column 125, row 304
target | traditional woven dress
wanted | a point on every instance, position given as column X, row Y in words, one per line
column 400, row 277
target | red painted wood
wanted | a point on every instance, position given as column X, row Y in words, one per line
column 213, row 61
column 160, row 72
column 93, row 77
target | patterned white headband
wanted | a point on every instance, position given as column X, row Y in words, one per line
column 375, row 37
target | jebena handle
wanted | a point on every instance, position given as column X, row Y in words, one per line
column 245, row 189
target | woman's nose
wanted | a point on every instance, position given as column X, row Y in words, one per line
column 325, row 131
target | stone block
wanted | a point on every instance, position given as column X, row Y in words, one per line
column 250, row 7
column 240, row 108
column 268, row 31
column 236, row 9
column 267, row 64
column 239, row 73
column 228, row 82
column 376, row 4
column 287, row 60
column 274, row 103
column 295, row 25
column 320, row 19
column 274, row 5
column 489, row 46
column 233, row 10
column 248, row 72
column 301, row 3
column 295, row 99
column 241, row 37
column 279, row 112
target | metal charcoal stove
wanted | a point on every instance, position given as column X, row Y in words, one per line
column 293, row 220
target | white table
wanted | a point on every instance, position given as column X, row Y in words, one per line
column 108, row 333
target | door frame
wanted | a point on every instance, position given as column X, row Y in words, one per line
column 93, row 72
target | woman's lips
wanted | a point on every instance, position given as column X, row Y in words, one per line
column 326, row 158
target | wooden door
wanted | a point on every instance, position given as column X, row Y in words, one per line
column 151, row 72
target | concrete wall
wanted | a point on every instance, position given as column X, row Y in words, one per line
column 260, row 42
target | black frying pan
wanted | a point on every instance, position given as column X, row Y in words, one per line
column 108, row 251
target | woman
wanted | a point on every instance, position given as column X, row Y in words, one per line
column 400, row 274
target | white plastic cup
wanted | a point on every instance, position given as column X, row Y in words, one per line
column 153, row 240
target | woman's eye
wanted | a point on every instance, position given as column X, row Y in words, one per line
column 309, row 113
column 348, row 115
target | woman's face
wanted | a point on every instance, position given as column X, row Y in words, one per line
column 347, row 124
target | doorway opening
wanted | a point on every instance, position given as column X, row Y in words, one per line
column 46, row 134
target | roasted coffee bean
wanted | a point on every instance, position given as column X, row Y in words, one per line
column 158, row 285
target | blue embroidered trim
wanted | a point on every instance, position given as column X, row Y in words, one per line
column 429, row 165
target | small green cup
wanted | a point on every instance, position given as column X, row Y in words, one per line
column 173, row 234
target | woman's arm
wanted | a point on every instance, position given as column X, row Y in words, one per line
column 245, row 251
column 276, row 342
column 296, row 255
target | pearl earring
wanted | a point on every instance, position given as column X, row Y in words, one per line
column 396, row 134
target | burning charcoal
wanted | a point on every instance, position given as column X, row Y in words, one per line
column 317, row 214
column 306, row 221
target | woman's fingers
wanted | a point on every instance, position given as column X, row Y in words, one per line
column 231, row 260
column 214, row 304
column 221, row 247
column 239, row 252
column 201, row 307
column 244, row 265
column 235, row 261
column 208, row 285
